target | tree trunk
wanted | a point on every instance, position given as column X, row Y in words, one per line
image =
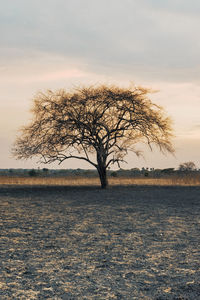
column 102, row 176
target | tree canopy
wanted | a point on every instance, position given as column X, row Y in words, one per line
column 187, row 166
column 97, row 124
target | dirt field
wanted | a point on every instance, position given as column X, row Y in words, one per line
column 127, row 242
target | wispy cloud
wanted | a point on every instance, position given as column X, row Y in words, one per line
column 154, row 38
column 43, row 76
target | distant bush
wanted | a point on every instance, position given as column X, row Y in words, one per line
column 187, row 166
column 32, row 173
column 113, row 174
column 167, row 171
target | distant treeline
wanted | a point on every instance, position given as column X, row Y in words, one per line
column 135, row 172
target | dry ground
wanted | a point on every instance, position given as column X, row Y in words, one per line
column 80, row 242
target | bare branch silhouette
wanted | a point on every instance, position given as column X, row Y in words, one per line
column 105, row 122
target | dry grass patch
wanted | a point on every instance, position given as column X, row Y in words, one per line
column 84, row 181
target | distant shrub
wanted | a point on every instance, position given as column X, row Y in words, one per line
column 167, row 171
column 187, row 166
column 113, row 174
column 32, row 173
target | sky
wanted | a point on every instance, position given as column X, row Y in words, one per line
column 53, row 44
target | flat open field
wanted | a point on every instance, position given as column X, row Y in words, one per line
column 81, row 242
column 94, row 181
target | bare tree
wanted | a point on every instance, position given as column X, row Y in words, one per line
column 95, row 124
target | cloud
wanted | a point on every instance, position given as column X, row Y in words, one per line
column 57, row 75
column 155, row 39
column 59, row 44
column 184, row 7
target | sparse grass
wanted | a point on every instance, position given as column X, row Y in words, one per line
column 48, row 181
column 83, row 181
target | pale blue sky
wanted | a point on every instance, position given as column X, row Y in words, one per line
column 53, row 44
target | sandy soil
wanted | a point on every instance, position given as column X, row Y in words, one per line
column 135, row 242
